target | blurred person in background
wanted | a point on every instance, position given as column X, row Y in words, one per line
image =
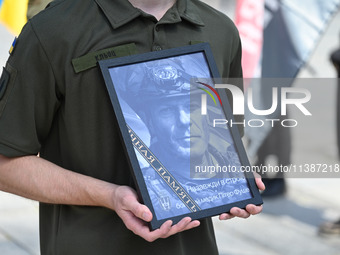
column 333, row 228
column 278, row 145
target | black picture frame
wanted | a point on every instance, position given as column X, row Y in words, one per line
column 149, row 93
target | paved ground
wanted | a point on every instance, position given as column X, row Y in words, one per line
column 288, row 224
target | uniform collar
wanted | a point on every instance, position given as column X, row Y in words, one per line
column 122, row 12
column 188, row 11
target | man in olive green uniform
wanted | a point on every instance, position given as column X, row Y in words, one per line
column 35, row 6
column 53, row 102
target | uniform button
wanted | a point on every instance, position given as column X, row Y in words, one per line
column 157, row 28
column 157, row 48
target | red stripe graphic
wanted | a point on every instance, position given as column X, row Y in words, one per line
column 212, row 89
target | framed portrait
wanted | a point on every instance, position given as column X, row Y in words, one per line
column 166, row 106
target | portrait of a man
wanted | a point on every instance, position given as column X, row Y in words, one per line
column 161, row 103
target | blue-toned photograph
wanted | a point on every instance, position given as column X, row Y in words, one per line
column 188, row 164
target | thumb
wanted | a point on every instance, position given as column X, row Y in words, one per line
column 260, row 183
column 139, row 210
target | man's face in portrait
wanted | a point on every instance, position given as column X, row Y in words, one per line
column 179, row 127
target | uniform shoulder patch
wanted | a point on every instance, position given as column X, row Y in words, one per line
column 13, row 45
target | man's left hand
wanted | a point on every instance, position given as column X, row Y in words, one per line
column 249, row 210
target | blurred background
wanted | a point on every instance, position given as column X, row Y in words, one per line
column 281, row 38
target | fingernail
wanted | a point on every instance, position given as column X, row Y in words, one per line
column 145, row 216
column 237, row 210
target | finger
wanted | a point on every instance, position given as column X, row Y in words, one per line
column 167, row 229
column 180, row 226
column 139, row 210
column 226, row 216
column 185, row 224
column 259, row 182
column 136, row 225
column 158, row 233
column 256, row 175
column 192, row 224
column 253, row 209
column 239, row 212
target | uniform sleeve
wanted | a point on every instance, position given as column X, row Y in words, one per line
column 236, row 65
column 236, row 75
column 28, row 97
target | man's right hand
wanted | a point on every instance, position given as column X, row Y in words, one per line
column 136, row 215
column 35, row 178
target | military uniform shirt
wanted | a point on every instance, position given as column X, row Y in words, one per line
column 53, row 101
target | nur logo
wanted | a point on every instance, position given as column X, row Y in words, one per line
column 204, row 97
column 289, row 96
